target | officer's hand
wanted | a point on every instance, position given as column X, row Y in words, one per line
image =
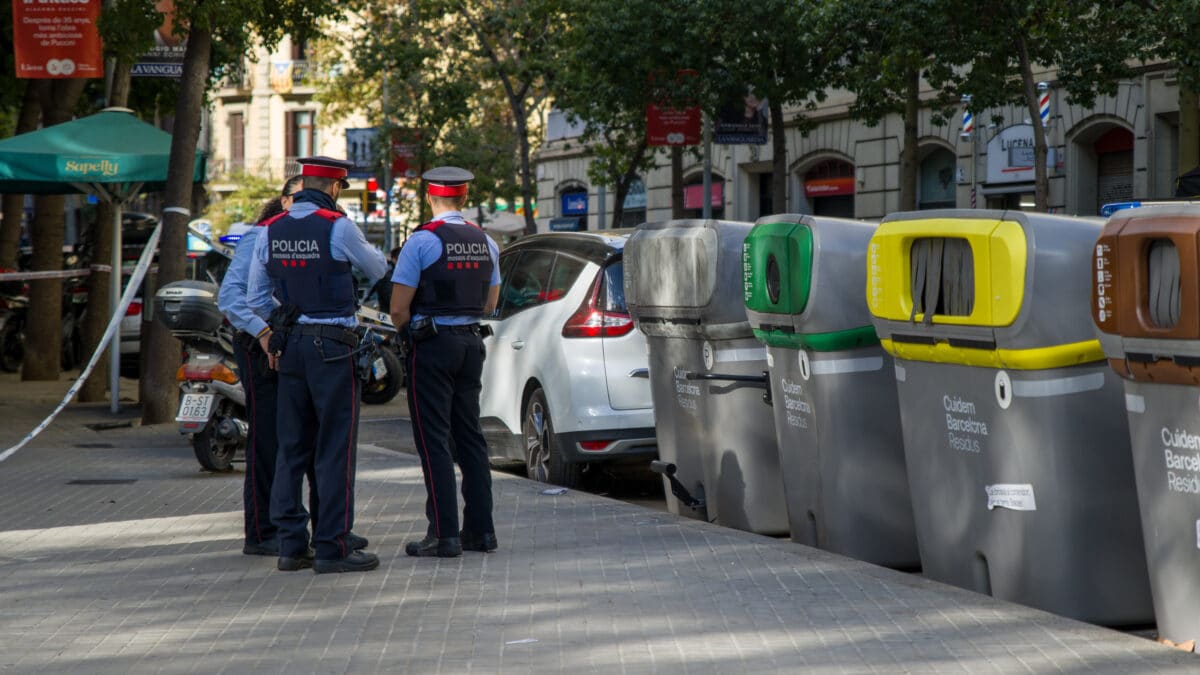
column 264, row 341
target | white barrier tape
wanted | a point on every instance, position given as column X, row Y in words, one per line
column 114, row 324
column 101, row 268
column 48, row 274
column 178, row 209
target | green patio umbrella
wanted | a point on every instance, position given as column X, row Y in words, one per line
column 111, row 155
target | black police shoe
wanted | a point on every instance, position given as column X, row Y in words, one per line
column 292, row 564
column 356, row 542
column 358, row 561
column 269, row 547
column 446, row 547
column 478, row 542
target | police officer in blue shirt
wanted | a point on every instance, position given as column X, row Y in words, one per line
column 303, row 264
column 261, row 387
column 447, row 279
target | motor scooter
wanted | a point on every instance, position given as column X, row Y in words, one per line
column 212, row 402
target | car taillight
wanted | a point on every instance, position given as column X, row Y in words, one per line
column 135, row 309
column 591, row 322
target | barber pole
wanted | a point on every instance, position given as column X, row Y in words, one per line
column 968, row 124
column 1044, row 103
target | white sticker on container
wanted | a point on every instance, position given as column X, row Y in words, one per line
column 1015, row 496
column 900, row 374
column 1198, row 534
column 770, row 360
column 1135, row 403
column 866, row 364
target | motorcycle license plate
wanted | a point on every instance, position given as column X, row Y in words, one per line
column 195, row 407
column 378, row 368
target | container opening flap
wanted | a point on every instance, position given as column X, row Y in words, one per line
column 1162, row 267
column 943, row 278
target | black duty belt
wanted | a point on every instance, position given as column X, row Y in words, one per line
column 330, row 332
column 471, row 328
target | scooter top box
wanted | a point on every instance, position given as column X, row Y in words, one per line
column 188, row 306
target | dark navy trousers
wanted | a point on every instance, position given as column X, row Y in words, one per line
column 318, row 427
column 443, row 401
column 261, row 385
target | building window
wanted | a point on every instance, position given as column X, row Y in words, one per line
column 937, row 188
column 237, row 142
column 299, row 48
column 633, row 211
column 302, row 134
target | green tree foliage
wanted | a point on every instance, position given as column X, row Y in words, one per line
column 1173, row 26
column 886, row 50
column 243, row 204
column 616, row 57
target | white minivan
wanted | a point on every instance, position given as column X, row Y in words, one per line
column 565, row 382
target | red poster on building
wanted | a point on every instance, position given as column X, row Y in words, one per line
column 405, row 146
column 57, row 38
column 667, row 126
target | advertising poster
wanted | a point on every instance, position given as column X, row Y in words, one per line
column 58, row 40
column 742, row 122
column 165, row 58
column 406, row 143
column 360, row 149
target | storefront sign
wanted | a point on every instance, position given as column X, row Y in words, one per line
column 57, row 40
column 1010, row 155
column 574, row 203
column 693, row 195
column 829, row 187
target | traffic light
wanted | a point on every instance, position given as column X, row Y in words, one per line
column 369, row 203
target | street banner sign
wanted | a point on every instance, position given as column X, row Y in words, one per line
column 165, row 58
column 670, row 126
column 405, row 146
column 57, row 40
column 742, row 122
column 360, row 149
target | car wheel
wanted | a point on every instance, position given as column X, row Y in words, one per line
column 544, row 460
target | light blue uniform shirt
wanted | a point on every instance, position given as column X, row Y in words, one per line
column 232, row 297
column 347, row 243
column 423, row 249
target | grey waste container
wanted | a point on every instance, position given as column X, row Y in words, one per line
column 833, row 389
column 1146, row 303
column 683, row 285
column 1014, row 428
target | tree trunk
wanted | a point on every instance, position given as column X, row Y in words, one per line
column 1041, row 181
column 158, row 391
column 522, row 128
column 677, row 182
column 909, row 170
column 14, row 205
column 43, row 325
column 98, row 309
column 1189, row 130
column 778, row 159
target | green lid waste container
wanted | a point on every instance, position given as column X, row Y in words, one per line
column 1014, row 429
column 832, row 386
column 683, row 286
column 1146, row 303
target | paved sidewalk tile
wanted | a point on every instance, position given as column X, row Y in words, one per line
column 126, row 559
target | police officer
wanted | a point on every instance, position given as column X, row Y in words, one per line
column 304, row 262
column 260, row 384
column 446, row 279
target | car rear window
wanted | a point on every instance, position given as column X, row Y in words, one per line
column 613, row 288
column 566, row 271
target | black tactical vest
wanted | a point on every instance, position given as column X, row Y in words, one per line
column 301, row 264
column 457, row 284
